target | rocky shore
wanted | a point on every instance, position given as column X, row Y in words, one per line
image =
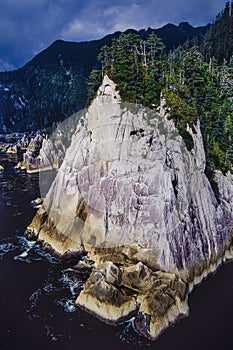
column 139, row 203
column 38, row 151
column 26, row 145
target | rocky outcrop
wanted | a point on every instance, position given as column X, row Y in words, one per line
column 9, row 148
column 26, row 145
column 37, row 203
column 115, row 292
column 30, row 157
column 54, row 148
column 18, row 142
column 131, row 194
column 43, row 153
column 39, row 153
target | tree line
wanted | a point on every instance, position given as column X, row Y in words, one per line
column 196, row 80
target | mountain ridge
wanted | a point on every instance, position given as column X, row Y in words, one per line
column 185, row 27
column 53, row 84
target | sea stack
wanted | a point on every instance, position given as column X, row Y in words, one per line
column 138, row 201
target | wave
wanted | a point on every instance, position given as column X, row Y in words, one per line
column 61, row 284
column 34, row 298
column 6, row 248
column 32, row 251
column 71, row 282
column 67, row 304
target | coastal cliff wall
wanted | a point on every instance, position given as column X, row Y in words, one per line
column 138, row 201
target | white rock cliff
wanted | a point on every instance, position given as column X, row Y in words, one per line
column 131, row 194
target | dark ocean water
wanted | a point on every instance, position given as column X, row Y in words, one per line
column 37, row 292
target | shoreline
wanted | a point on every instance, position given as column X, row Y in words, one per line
column 176, row 312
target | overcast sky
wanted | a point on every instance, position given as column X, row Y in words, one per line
column 29, row 26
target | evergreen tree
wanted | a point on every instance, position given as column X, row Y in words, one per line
column 196, row 80
column 135, row 65
column 218, row 42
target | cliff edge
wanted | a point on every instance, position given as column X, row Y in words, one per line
column 138, row 201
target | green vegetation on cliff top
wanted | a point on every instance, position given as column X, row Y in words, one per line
column 196, row 79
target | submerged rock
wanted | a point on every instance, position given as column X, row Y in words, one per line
column 131, row 194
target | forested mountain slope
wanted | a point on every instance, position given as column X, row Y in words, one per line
column 195, row 83
column 53, row 85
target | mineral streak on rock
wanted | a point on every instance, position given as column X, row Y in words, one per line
column 131, row 194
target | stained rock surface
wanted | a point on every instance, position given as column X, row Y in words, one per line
column 131, row 194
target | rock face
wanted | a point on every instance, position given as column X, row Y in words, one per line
column 131, row 194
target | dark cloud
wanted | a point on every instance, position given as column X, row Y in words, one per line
column 28, row 26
